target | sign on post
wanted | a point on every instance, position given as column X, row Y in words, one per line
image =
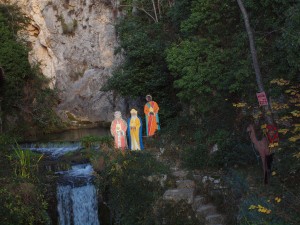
column 262, row 98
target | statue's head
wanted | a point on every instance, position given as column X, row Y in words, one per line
column 118, row 115
column 133, row 113
column 148, row 98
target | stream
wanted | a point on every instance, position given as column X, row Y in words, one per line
column 76, row 195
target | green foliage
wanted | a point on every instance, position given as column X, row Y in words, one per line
column 21, row 198
column 25, row 161
column 247, row 201
column 277, row 36
column 6, row 140
column 175, row 213
column 14, row 55
column 90, row 140
column 261, row 210
column 129, row 193
column 22, row 206
column 211, row 64
column 25, row 93
column 43, row 115
column 196, row 57
column 144, row 69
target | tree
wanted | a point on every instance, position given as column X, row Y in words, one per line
column 255, row 59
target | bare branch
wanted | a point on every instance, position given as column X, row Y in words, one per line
column 148, row 14
column 154, row 8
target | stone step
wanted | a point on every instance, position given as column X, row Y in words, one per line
column 198, row 177
column 180, row 174
column 205, row 210
column 186, row 194
column 198, row 201
column 185, row 184
column 214, row 219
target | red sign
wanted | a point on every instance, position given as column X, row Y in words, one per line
column 262, row 98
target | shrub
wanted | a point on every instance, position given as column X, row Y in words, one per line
column 22, row 206
column 127, row 191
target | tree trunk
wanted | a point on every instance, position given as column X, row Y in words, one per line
column 134, row 7
column 254, row 59
column 159, row 10
column 0, row 117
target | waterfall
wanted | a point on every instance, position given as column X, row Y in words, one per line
column 55, row 149
column 77, row 197
column 77, row 201
column 64, row 206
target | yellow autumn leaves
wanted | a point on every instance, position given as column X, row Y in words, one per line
column 277, row 199
column 280, row 82
column 262, row 209
column 292, row 111
column 296, row 113
column 239, row 104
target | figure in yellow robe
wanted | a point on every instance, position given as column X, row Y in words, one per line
column 151, row 112
column 134, row 131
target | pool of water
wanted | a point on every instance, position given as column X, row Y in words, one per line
column 72, row 135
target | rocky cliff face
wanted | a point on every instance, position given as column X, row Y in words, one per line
column 74, row 42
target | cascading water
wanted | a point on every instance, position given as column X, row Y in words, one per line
column 55, row 149
column 76, row 194
column 77, row 198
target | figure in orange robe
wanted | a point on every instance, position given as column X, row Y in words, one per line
column 151, row 112
column 118, row 130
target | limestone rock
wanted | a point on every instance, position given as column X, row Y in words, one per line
column 74, row 41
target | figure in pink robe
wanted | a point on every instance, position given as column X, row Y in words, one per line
column 118, row 130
